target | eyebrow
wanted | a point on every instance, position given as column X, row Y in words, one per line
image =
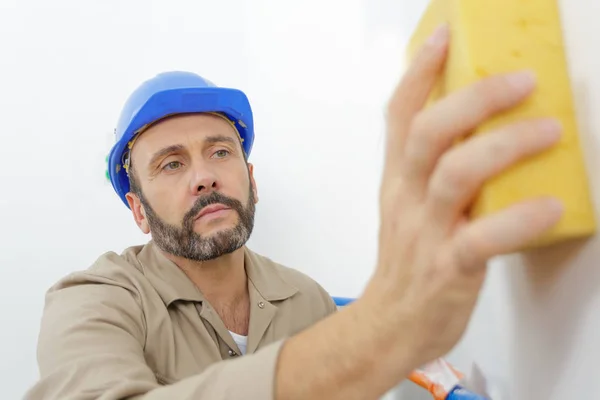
column 164, row 152
column 178, row 147
column 219, row 139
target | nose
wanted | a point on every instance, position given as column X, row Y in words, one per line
column 203, row 182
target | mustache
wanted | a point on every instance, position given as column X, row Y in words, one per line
column 212, row 198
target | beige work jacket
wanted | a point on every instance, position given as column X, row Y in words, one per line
column 133, row 326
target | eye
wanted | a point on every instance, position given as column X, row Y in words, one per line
column 221, row 153
column 172, row 165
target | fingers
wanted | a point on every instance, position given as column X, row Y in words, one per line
column 504, row 232
column 412, row 92
column 437, row 127
column 462, row 171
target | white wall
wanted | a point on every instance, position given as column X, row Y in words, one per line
column 318, row 75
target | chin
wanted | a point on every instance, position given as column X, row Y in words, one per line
column 215, row 228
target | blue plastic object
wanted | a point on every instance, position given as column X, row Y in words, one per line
column 171, row 93
column 342, row 301
column 460, row 393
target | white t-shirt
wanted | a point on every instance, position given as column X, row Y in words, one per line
column 240, row 340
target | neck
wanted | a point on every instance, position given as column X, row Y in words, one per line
column 222, row 281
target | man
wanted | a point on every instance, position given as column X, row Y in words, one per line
column 161, row 320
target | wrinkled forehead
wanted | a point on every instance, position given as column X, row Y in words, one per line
column 180, row 130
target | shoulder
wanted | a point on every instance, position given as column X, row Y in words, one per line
column 309, row 291
column 112, row 269
column 101, row 298
column 110, row 286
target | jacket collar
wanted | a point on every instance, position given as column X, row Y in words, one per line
column 172, row 284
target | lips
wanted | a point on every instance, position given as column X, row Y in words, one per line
column 211, row 209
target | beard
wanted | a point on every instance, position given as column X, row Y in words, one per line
column 183, row 241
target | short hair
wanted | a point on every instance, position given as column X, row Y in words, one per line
column 134, row 186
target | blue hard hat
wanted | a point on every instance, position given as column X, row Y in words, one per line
column 172, row 93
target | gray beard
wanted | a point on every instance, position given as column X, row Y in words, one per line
column 182, row 241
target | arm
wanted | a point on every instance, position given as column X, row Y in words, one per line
column 91, row 346
column 352, row 354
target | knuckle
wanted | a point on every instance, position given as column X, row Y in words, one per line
column 452, row 173
column 443, row 261
column 418, row 123
column 508, row 143
column 395, row 196
column 421, row 137
column 444, row 186
column 499, row 146
column 470, row 250
column 525, row 135
column 464, row 252
column 487, row 95
column 494, row 94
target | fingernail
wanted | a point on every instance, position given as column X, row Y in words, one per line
column 523, row 81
column 439, row 36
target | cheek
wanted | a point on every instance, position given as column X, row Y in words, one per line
column 170, row 203
column 240, row 185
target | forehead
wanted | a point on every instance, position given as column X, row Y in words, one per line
column 184, row 130
column 181, row 130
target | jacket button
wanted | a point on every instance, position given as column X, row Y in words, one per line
column 261, row 304
column 232, row 353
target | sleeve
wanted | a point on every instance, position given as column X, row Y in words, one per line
column 91, row 345
column 332, row 306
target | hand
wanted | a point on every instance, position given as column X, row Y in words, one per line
column 432, row 258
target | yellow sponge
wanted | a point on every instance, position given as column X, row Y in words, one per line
column 499, row 36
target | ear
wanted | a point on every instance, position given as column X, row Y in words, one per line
column 139, row 214
column 253, row 182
